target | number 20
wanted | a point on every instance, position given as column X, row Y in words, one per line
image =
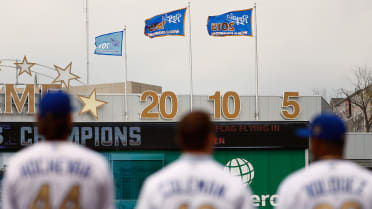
column 155, row 101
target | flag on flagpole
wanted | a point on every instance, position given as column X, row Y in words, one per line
column 234, row 23
column 109, row 44
column 166, row 24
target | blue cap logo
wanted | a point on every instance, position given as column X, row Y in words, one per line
column 326, row 126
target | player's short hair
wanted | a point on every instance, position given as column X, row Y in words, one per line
column 193, row 130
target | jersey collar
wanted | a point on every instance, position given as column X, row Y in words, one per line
column 195, row 157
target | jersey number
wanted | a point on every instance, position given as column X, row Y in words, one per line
column 346, row 205
column 71, row 200
column 186, row 206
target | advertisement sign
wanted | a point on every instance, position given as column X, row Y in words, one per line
column 107, row 136
column 262, row 171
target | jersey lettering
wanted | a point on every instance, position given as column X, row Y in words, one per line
column 192, row 185
column 38, row 167
column 335, row 185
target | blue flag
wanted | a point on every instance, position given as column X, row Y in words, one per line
column 109, row 44
column 234, row 23
column 167, row 24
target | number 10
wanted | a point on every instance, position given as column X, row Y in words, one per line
column 216, row 98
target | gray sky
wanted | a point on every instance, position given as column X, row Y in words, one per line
column 302, row 44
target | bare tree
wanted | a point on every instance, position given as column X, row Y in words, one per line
column 361, row 96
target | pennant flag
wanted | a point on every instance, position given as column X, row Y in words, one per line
column 234, row 23
column 109, row 44
column 167, row 24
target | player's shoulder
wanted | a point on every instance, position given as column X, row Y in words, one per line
column 97, row 160
column 166, row 172
column 320, row 169
column 81, row 151
column 294, row 179
column 210, row 168
column 218, row 172
column 25, row 154
column 48, row 149
column 356, row 170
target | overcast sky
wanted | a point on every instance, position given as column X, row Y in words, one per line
column 302, row 45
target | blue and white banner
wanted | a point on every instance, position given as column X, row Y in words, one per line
column 167, row 24
column 234, row 23
column 109, row 44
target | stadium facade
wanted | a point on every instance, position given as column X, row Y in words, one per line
column 136, row 133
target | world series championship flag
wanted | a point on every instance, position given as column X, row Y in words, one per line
column 167, row 24
column 234, row 23
column 109, row 44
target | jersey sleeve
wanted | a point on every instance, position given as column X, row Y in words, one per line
column 107, row 190
column 7, row 193
column 245, row 200
column 144, row 200
column 286, row 198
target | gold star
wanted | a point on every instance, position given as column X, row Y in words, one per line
column 64, row 75
column 24, row 66
column 91, row 104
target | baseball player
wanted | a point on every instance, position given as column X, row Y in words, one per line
column 330, row 182
column 195, row 180
column 55, row 173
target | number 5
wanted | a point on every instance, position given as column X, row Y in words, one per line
column 288, row 102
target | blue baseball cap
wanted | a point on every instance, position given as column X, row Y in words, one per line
column 326, row 126
column 55, row 102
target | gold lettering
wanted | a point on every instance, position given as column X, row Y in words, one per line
column 11, row 94
column 160, row 25
column 231, row 26
column 214, row 26
column 225, row 26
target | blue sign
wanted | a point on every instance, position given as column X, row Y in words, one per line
column 234, row 23
column 167, row 24
column 109, row 44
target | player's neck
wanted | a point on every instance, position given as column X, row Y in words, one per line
column 198, row 152
column 331, row 157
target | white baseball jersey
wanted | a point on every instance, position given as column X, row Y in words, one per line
column 57, row 175
column 194, row 182
column 327, row 184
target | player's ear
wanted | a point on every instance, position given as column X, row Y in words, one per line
column 315, row 147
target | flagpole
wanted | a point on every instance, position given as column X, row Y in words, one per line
column 190, row 57
column 125, row 72
column 87, row 39
column 256, row 59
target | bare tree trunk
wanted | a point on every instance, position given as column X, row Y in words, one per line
column 365, row 120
